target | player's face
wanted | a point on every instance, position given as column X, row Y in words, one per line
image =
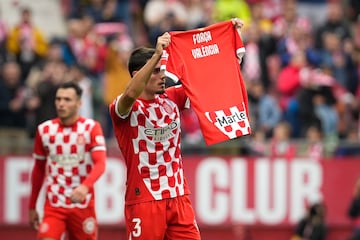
column 67, row 104
column 156, row 84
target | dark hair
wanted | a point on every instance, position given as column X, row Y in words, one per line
column 138, row 58
column 72, row 85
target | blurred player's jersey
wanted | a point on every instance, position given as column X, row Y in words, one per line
column 67, row 150
column 206, row 61
column 149, row 139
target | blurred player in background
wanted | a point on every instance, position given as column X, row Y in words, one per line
column 70, row 155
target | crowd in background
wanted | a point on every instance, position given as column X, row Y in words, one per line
column 301, row 67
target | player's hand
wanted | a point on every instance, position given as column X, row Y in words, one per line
column 78, row 194
column 238, row 23
column 162, row 42
column 33, row 219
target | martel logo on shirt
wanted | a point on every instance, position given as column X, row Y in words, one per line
column 230, row 122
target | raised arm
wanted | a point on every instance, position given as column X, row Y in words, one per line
column 141, row 77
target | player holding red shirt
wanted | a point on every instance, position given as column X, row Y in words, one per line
column 146, row 120
column 70, row 155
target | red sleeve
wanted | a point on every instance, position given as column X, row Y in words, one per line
column 177, row 94
column 98, row 155
column 39, row 151
column 38, row 171
column 98, row 169
column 37, row 179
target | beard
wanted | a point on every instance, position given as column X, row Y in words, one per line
column 161, row 91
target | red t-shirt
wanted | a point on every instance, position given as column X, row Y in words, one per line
column 149, row 139
column 206, row 61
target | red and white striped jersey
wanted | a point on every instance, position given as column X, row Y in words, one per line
column 149, row 139
column 67, row 150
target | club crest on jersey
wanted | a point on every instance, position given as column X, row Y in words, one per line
column 167, row 107
column 44, row 227
column 233, row 122
column 80, row 139
column 89, row 225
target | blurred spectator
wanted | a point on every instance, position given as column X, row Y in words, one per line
column 100, row 10
column 313, row 225
column 266, row 113
column 259, row 64
column 271, row 9
column 161, row 16
column 281, row 145
column 116, row 11
column 138, row 28
column 263, row 22
column 288, row 82
column 314, row 146
column 356, row 40
column 335, row 23
column 257, row 146
column 324, row 108
column 78, row 74
column 116, row 76
column 109, row 12
column 349, row 147
column 96, row 48
column 3, row 39
column 314, row 100
column 353, row 10
column 94, row 9
column 298, row 38
column 287, row 20
column 200, row 13
column 86, row 45
column 26, row 42
column 251, row 66
column 227, row 9
column 354, row 211
column 43, row 89
column 315, row 10
column 339, row 62
column 12, row 108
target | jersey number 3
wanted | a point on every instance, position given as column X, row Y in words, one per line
column 137, row 228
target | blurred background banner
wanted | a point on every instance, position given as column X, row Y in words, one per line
column 225, row 190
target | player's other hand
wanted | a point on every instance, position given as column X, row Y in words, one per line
column 78, row 194
column 238, row 23
column 33, row 219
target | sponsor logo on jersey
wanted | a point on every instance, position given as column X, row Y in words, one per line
column 67, row 159
column 160, row 134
